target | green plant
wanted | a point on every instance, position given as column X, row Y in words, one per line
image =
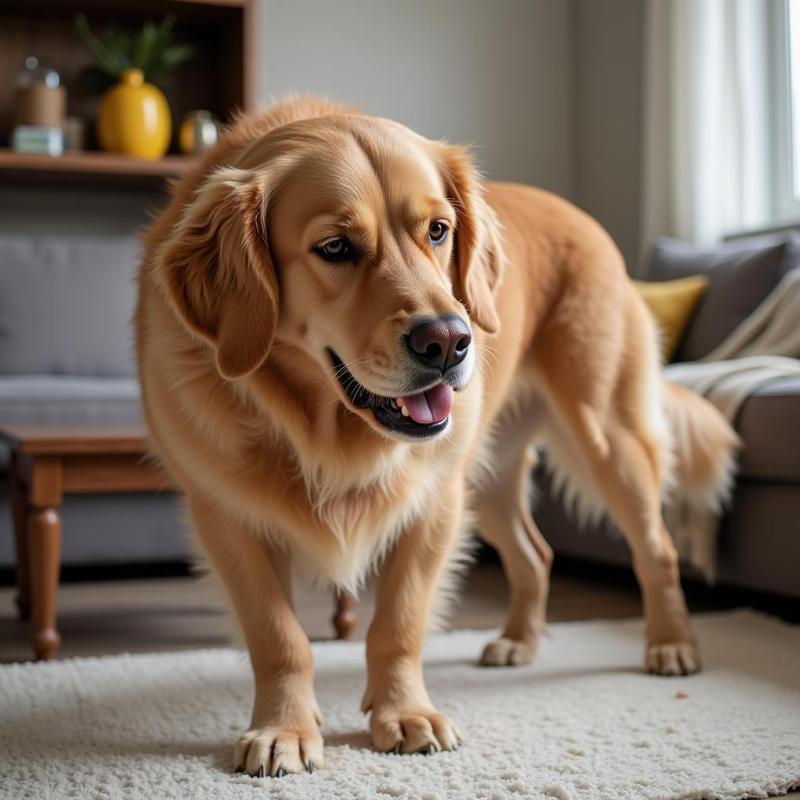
column 153, row 50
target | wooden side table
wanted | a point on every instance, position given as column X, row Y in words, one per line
column 47, row 462
column 51, row 460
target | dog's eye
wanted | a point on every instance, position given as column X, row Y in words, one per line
column 336, row 250
column 437, row 232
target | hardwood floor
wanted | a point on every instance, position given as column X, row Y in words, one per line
column 106, row 617
column 101, row 618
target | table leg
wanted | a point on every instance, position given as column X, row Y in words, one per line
column 344, row 619
column 44, row 538
column 19, row 507
column 44, row 543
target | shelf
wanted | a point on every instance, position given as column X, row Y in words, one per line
column 90, row 169
column 221, row 76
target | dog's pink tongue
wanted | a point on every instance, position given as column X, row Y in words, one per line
column 431, row 406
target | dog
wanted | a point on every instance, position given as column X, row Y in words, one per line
column 351, row 349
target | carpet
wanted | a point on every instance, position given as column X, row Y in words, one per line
column 583, row 723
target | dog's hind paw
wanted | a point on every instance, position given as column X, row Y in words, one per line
column 423, row 732
column 275, row 752
column 503, row 652
column 676, row 658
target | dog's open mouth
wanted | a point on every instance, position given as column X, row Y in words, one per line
column 420, row 415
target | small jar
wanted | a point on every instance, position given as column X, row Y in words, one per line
column 199, row 131
column 39, row 97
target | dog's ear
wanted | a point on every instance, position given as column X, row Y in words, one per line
column 479, row 258
column 218, row 274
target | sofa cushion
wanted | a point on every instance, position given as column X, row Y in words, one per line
column 671, row 303
column 56, row 398
column 768, row 425
column 741, row 275
column 66, row 305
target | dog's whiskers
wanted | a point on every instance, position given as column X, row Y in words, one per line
column 486, row 364
column 345, row 366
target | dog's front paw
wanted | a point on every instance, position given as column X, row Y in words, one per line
column 675, row 658
column 273, row 751
column 413, row 731
column 504, row 652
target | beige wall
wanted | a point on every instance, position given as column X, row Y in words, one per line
column 550, row 91
column 607, row 93
column 497, row 73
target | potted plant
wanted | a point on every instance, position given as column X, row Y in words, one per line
column 134, row 117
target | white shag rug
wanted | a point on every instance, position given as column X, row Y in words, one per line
column 583, row 723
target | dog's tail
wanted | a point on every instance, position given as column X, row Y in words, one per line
column 704, row 449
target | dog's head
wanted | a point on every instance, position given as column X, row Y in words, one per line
column 367, row 247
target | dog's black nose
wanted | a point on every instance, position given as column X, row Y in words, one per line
column 440, row 343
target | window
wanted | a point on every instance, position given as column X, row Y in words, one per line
column 793, row 46
column 786, row 112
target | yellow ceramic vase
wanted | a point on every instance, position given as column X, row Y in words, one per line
column 134, row 118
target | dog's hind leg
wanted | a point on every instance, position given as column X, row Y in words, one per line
column 505, row 521
column 625, row 461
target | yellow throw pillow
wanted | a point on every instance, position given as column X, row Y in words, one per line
column 672, row 303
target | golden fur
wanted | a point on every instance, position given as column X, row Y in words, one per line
column 281, row 471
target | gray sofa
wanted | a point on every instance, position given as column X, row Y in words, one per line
column 759, row 544
column 66, row 355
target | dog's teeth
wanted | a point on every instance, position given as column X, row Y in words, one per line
column 404, row 411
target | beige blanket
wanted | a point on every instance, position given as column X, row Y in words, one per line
column 765, row 347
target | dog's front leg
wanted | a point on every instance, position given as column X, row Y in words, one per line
column 284, row 731
column 403, row 717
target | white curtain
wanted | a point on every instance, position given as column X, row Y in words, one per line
column 706, row 127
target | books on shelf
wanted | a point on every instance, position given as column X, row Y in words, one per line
column 39, row 139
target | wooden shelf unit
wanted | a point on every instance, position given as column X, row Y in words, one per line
column 221, row 77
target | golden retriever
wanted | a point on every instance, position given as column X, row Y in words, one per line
column 349, row 347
